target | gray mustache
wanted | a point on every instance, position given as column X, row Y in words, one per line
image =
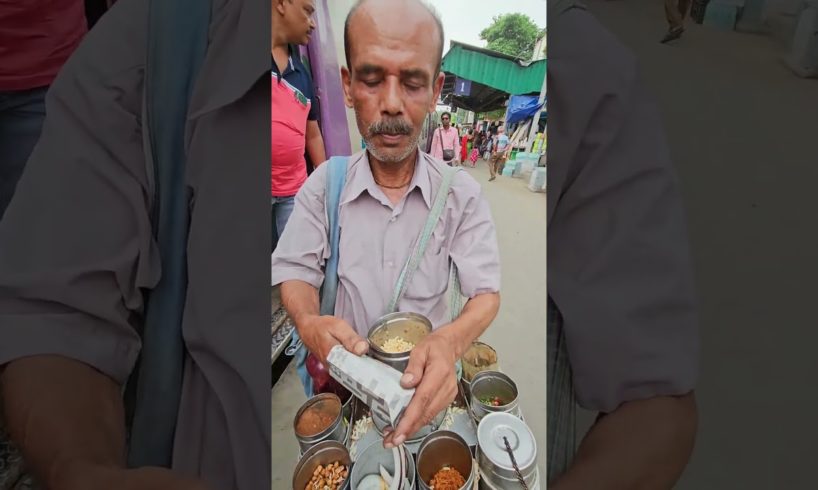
column 390, row 127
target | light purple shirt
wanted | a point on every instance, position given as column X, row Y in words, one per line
column 377, row 238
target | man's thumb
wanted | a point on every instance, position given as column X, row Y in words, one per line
column 414, row 370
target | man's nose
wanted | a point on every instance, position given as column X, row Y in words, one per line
column 392, row 102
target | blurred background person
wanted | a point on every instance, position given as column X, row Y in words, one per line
column 294, row 112
column 36, row 39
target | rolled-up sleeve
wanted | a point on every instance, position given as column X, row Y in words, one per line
column 619, row 266
column 76, row 247
column 303, row 248
column 474, row 247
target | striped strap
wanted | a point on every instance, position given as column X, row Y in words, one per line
column 561, row 399
column 412, row 263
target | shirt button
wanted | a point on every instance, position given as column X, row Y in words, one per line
column 392, row 219
column 391, row 264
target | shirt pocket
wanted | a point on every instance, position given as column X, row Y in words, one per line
column 432, row 275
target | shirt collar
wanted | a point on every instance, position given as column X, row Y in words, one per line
column 293, row 54
column 236, row 58
column 362, row 179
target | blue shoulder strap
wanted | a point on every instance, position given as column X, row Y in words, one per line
column 177, row 43
column 336, row 177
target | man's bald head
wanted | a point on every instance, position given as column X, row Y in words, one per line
column 374, row 5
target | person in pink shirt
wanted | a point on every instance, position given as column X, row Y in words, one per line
column 446, row 141
column 294, row 113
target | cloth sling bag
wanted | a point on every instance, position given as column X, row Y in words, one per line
column 336, row 176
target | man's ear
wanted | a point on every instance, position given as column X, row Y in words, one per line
column 279, row 6
column 346, row 80
column 437, row 88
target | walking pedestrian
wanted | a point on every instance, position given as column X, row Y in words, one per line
column 676, row 12
column 294, row 111
column 445, row 141
column 464, row 146
column 499, row 151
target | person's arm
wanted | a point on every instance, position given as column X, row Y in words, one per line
column 456, row 147
column 319, row 333
column 431, row 368
column 437, row 150
column 315, row 144
column 641, row 445
column 68, row 421
column 619, row 269
column 76, row 252
column 297, row 264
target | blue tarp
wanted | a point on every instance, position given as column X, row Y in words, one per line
column 522, row 107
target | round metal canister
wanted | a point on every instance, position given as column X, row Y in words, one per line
column 411, row 327
column 492, row 383
column 381, row 425
column 334, row 432
column 373, row 457
column 321, row 454
column 493, row 458
column 479, row 357
column 444, row 448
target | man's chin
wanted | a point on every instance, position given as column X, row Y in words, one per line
column 390, row 155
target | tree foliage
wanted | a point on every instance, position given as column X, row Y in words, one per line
column 512, row 34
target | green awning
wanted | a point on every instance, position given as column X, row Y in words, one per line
column 492, row 69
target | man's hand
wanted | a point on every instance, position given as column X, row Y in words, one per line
column 431, row 371
column 321, row 333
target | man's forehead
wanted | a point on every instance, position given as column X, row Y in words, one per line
column 378, row 36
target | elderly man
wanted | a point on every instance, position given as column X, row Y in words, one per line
column 392, row 81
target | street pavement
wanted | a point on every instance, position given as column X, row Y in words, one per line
column 518, row 333
column 742, row 130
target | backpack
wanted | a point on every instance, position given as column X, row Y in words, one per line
column 177, row 44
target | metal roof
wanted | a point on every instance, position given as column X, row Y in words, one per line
column 492, row 69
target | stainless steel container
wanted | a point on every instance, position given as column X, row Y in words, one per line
column 440, row 449
column 370, row 460
column 493, row 458
column 336, row 431
column 478, row 358
column 381, row 425
column 411, row 327
column 321, row 454
column 488, row 384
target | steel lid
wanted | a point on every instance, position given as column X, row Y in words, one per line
column 490, row 434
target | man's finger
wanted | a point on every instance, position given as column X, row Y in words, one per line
column 413, row 373
column 349, row 338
